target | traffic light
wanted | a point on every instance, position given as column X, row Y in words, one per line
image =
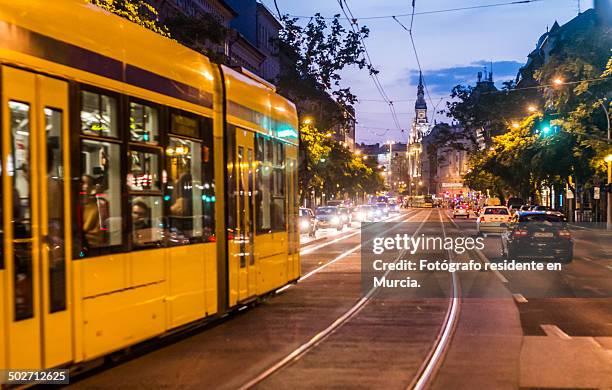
column 544, row 127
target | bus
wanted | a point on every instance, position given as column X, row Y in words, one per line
column 144, row 189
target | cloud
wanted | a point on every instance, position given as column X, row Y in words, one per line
column 442, row 81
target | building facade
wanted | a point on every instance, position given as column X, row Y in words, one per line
column 252, row 31
column 415, row 155
column 257, row 25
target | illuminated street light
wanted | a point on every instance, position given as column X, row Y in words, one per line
column 307, row 120
column 420, row 183
column 357, row 152
column 515, row 125
column 532, row 109
column 558, row 81
column 608, row 158
column 328, row 135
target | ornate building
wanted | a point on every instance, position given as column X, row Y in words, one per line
column 420, row 129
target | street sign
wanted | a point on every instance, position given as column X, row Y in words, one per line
column 596, row 193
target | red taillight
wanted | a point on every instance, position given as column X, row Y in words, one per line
column 565, row 234
column 520, row 233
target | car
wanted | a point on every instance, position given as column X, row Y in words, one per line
column 308, row 222
column 383, row 208
column 393, row 207
column 364, row 213
column 492, row 219
column 538, row 235
column 541, row 208
column 461, row 210
column 328, row 217
column 345, row 215
column 525, row 207
column 336, row 203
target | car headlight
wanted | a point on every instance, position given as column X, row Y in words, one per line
column 335, row 220
column 305, row 224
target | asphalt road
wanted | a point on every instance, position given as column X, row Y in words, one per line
column 328, row 332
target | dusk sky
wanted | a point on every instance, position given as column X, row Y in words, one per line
column 452, row 46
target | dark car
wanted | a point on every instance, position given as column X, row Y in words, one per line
column 329, row 217
column 383, row 209
column 525, row 207
column 540, row 208
column 308, row 222
column 538, row 235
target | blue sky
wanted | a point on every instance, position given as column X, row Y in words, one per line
column 452, row 48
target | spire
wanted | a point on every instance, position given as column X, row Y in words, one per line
column 420, row 102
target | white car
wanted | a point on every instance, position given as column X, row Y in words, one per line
column 461, row 210
column 492, row 219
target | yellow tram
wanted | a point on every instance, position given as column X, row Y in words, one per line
column 143, row 188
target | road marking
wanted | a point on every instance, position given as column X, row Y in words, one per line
column 554, row 330
column 344, row 254
column 344, row 237
column 483, row 257
column 319, row 337
column 519, row 298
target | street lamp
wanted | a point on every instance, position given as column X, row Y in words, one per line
column 308, row 120
column 532, row 108
column 515, row 125
column 558, row 81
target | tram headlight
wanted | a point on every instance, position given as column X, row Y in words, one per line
column 335, row 221
column 304, row 224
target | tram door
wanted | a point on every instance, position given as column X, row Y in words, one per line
column 245, row 206
column 36, row 243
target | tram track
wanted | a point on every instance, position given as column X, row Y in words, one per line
column 433, row 358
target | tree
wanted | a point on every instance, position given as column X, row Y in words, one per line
column 199, row 33
column 136, row 11
column 312, row 58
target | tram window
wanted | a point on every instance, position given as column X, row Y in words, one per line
column 184, row 191
column 19, row 169
column 184, row 125
column 263, row 201
column 143, row 171
column 208, row 181
column 144, row 122
column 98, row 114
column 147, row 221
column 55, row 210
column 278, row 205
column 100, row 196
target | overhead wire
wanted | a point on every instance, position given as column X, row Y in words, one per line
column 373, row 74
column 430, row 12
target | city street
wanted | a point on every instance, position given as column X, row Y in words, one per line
column 320, row 333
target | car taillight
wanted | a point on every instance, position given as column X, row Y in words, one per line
column 520, row 233
column 565, row 234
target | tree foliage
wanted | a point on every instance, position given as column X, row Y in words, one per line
column 520, row 159
column 136, row 11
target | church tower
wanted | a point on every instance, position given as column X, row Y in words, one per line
column 420, row 126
